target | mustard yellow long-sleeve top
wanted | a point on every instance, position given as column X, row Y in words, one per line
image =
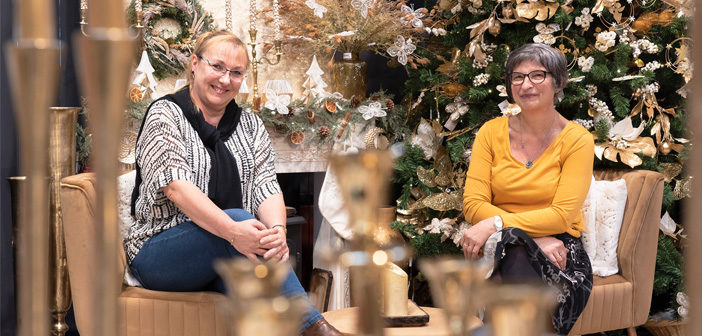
column 543, row 200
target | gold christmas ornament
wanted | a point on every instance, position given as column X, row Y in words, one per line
column 639, row 63
column 664, row 148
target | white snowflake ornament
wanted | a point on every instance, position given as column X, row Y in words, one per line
column 413, row 17
column 374, row 109
column 402, row 49
column 362, row 6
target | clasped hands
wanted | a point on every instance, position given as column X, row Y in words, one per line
column 252, row 239
column 474, row 239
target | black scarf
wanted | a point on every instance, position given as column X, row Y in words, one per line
column 225, row 183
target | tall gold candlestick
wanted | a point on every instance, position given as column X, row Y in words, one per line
column 33, row 61
column 36, row 19
column 33, row 64
column 105, row 60
column 62, row 163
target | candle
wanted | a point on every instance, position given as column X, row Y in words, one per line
column 36, row 19
column 228, row 14
column 276, row 19
column 252, row 15
column 102, row 13
column 137, row 6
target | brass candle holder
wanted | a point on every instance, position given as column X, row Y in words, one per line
column 255, row 61
column 62, row 162
column 520, row 309
column 104, row 60
column 254, row 301
column 33, row 66
column 456, row 286
column 363, row 180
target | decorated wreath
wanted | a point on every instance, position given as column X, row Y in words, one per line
column 170, row 31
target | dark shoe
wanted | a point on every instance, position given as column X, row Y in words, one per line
column 322, row 328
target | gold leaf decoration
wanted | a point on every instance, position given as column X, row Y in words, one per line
column 670, row 170
column 536, row 10
column 426, row 176
column 626, row 150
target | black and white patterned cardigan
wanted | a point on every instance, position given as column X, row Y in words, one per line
column 170, row 149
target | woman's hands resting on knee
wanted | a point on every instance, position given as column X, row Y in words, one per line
column 475, row 237
column 276, row 243
column 554, row 250
column 246, row 238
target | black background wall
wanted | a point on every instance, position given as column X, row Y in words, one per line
column 8, row 167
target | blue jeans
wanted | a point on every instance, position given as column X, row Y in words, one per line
column 180, row 260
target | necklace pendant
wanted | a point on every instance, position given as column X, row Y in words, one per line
column 529, row 164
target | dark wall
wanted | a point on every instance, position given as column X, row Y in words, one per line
column 67, row 18
column 8, row 167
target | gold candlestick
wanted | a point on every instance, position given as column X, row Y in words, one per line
column 256, row 306
column 33, row 65
column 105, row 61
column 520, row 309
column 62, row 163
column 456, row 285
column 363, row 180
column 256, row 61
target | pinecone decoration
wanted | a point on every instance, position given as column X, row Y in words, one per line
column 355, row 102
column 297, row 137
column 323, row 132
column 389, row 104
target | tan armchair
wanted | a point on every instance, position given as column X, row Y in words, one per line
column 623, row 300
column 142, row 311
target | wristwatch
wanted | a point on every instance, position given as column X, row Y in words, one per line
column 497, row 220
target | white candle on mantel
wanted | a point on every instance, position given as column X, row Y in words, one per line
column 36, row 19
column 252, row 14
column 138, row 5
column 276, row 19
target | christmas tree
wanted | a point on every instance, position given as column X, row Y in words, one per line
column 629, row 68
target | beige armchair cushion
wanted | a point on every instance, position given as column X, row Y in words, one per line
column 142, row 311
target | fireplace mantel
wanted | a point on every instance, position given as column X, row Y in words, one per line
column 305, row 158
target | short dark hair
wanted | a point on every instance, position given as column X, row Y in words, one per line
column 551, row 59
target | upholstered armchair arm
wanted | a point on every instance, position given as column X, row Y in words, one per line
column 639, row 234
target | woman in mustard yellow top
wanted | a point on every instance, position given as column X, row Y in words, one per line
column 528, row 177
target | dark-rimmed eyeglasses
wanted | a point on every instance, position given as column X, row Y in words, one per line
column 536, row 77
column 221, row 70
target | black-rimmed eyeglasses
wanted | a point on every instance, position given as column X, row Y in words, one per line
column 536, row 77
column 221, row 70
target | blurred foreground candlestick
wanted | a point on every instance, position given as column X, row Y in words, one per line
column 104, row 59
column 33, row 65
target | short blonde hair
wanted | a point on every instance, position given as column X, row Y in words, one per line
column 206, row 40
